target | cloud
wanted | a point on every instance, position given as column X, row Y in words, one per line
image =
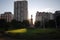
column 20, row 0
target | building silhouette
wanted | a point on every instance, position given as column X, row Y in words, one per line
column 57, row 13
column 57, row 18
column 21, row 10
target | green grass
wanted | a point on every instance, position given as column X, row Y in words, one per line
column 39, row 33
column 35, row 31
column 41, row 30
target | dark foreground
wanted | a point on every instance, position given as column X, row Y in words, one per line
column 55, row 35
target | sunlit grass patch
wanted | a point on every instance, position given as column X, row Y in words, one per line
column 24, row 30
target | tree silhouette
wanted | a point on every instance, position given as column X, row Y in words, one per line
column 3, row 25
column 37, row 24
column 50, row 24
column 26, row 23
column 58, row 21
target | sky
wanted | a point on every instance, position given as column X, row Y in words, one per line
column 33, row 6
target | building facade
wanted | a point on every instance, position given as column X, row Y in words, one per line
column 44, row 16
column 2, row 16
column 21, row 10
column 7, row 16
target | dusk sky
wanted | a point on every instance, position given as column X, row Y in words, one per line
column 33, row 6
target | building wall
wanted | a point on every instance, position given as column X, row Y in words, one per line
column 44, row 16
column 38, row 16
column 2, row 16
column 20, row 10
column 51, row 16
column 7, row 16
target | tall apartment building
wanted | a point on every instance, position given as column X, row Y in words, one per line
column 21, row 10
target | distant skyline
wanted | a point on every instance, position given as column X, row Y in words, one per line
column 33, row 6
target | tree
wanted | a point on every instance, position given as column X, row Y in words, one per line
column 26, row 23
column 58, row 21
column 37, row 24
column 50, row 24
column 3, row 24
column 15, row 24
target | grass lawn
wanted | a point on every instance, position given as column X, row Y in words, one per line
column 24, row 30
column 36, row 33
